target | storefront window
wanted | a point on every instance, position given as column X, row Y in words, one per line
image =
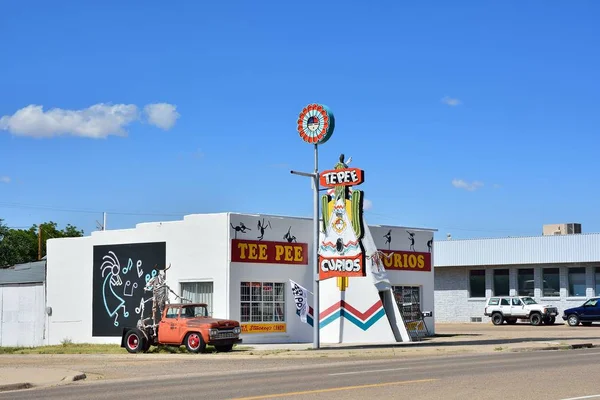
column 551, row 282
column 408, row 299
column 262, row 302
column 477, row 283
column 577, row 285
column 597, row 276
column 525, row 282
column 501, row 283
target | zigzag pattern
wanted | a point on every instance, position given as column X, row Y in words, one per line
column 342, row 309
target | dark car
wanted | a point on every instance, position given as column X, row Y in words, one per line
column 587, row 313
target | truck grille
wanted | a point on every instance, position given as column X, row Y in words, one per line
column 225, row 335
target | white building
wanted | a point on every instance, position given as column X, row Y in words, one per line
column 240, row 264
column 562, row 270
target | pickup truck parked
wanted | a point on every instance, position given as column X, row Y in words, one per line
column 512, row 308
column 186, row 324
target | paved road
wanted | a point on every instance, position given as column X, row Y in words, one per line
column 564, row 374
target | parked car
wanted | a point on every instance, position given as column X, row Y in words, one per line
column 586, row 313
column 513, row 308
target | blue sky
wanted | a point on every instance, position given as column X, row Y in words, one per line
column 477, row 120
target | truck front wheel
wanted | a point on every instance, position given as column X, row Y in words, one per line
column 194, row 343
column 134, row 343
column 535, row 319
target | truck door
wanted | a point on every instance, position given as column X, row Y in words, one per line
column 168, row 327
column 505, row 306
column 517, row 307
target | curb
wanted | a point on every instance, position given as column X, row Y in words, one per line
column 562, row 347
column 15, row 386
column 73, row 378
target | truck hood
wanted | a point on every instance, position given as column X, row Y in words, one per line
column 213, row 322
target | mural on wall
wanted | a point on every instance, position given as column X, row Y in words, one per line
column 410, row 250
column 341, row 252
column 121, row 273
column 289, row 237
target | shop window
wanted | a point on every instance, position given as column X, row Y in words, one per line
column 551, row 282
column 597, row 280
column 199, row 292
column 501, row 283
column 477, row 283
column 525, row 282
column 262, row 302
column 408, row 299
column 576, row 278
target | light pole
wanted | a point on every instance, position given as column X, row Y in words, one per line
column 315, row 126
column 316, row 231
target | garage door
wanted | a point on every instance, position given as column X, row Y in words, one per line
column 22, row 315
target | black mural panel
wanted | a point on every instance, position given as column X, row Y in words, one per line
column 120, row 275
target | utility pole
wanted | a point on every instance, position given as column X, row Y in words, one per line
column 39, row 242
column 104, row 221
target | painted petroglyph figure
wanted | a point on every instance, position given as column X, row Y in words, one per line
column 261, row 227
column 411, row 238
column 429, row 244
column 112, row 301
column 240, row 228
column 388, row 238
column 289, row 237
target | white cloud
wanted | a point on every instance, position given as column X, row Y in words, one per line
column 98, row 121
column 452, row 102
column 163, row 115
column 367, row 204
column 461, row 184
column 4, row 179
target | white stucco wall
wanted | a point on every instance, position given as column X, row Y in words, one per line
column 199, row 250
column 196, row 248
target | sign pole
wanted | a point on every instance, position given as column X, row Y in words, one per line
column 315, row 124
column 316, row 318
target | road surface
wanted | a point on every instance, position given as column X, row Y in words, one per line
column 562, row 374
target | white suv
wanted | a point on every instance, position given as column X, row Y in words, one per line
column 512, row 308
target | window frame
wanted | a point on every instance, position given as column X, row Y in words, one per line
column 569, row 269
column 519, row 292
column 259, row 310
column 543, row 287
column 505, row 272
column 469, row 278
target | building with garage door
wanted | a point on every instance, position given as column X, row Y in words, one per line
column 559, row 268
column 22, row 305
column 241, row 265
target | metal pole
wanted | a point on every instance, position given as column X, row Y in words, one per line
column 316, row 252
column 104, row 221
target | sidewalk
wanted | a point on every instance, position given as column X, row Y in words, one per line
column 15, row 378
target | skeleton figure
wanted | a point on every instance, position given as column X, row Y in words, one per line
column 289, row 237
column 411, row 238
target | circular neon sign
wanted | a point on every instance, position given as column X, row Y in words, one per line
column 315, row 124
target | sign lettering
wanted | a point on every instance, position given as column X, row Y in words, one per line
column 264, row 328
column 406, row 260
column 253, row 251
column 342, row 177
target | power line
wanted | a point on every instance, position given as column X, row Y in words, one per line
column 88, row 211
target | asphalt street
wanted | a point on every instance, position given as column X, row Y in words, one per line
column 562, row 374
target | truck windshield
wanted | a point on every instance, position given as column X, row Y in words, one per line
column 528, row 300
column 194, row 311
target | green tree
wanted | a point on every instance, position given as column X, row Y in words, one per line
column 21, row 245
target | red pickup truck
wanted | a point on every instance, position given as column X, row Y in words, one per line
column 186, row 324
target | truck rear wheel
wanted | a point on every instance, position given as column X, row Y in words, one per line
column 194, row 342
column 497, row 319
column 134, row 342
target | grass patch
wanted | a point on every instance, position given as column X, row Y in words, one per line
column 68, row 347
